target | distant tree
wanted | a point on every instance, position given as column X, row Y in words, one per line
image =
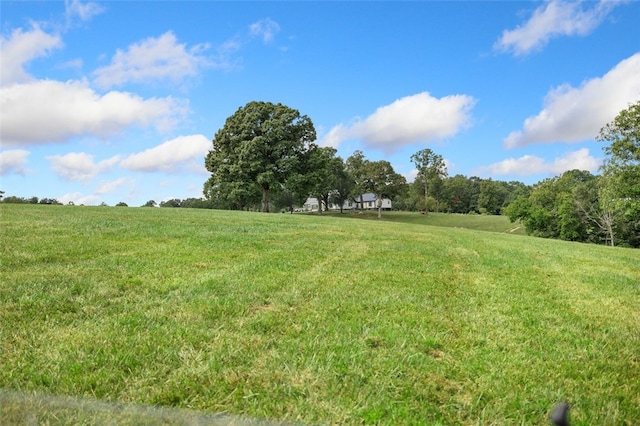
column 492, row 196
column 122, row 204
column 563, row 207
column 383, row 181
column 260, row 146
column 196, row 203
column 12, row 199
column 356, row 168
column 1, row 194
column 149, row 203
column 430, row 166
column 51, row 201
column 322, row 175
column 174, row 202
column 344, row 186
column 458, row 193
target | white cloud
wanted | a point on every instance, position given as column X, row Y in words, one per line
column 50, row 111
column 265, row 28
column 574, row 115
column 531, row 165
column 161, row 58
column 13, row 161
column 170, row 156
column 78, row 199
column 20, row 48
column 104, row 187
column 409, row 120
column 553, row 19
column 80, row 166
column 81, row 10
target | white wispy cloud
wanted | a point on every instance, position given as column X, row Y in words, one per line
column 84, row 11
column 50, row 111
column 79, row 166
column 105, row 187
column 529, row 165
column 171, row 156
column 409, row 120
column 577, row 114
column 78, row 198
column 13, row 161
column 20, row 48
column 265, row 29
column 153, row 59
column 553, row 19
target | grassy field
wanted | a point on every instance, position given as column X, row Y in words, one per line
column 316, row 320
column 464, row 221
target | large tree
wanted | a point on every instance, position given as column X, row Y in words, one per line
column 260, row 146
column 383, row 181
column 323, row 168
column 430, row 166
column 356, row 168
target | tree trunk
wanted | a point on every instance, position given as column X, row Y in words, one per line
column 265, row 199
column 608, row 220
column 379, row 207
column 426, row 198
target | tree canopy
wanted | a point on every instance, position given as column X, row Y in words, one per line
column 619, row 189
column 259, row 147
column 383, row 181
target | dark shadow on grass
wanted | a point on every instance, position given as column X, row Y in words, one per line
column 34, row 408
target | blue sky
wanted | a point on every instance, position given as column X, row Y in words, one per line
column 118, row 101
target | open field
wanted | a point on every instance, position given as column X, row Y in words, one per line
column 316, row 320
column 490, row 223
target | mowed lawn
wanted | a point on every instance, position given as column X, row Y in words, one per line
column 314, row 319
column 490, row 223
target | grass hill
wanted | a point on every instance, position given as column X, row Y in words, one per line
column 316, row 320
column 490, row 223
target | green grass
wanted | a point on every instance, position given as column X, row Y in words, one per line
column 491, row 223
column 314, row 319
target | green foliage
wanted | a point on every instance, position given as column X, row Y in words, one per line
column 460, row 194
column 321, row 177
column 343, row 187
column 620, row 187
column 174, row 202
column 356, row 168
column 563, row 207
column 311, row 320
column 383, row 181
column 12, row 199
column 492, row 196
column 257, row 150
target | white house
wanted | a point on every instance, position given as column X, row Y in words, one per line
column 369, row 202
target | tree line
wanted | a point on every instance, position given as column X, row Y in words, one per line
column 579, row 206
column 265, row 157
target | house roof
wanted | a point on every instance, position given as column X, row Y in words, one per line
column 367, row 197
